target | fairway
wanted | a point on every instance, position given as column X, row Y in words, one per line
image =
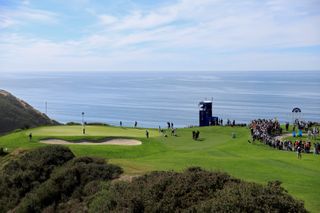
column 215, row 150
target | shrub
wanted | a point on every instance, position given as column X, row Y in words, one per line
column 97, row 124
column 73, row 123
column 51, row 179
column 67, row 183
column 194, row 190
column 26, row 126
column 29, row 171
column 251, row 197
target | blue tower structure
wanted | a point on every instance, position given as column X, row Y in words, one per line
column 205, row 114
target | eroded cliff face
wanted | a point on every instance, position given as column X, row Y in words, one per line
column 17, row 114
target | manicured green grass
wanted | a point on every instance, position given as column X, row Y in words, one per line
column 91, row 131
column 216, row 150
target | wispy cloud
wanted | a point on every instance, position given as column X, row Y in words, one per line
column 215, row 23
column 185, row 35
column 24, row 15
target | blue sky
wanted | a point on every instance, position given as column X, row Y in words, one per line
column 154, row 35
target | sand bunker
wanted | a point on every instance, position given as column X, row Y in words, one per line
column 118, row 141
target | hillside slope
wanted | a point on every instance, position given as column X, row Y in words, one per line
column 53, row 179
column 17, row 114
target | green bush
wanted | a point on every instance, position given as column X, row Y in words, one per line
column 250, row 197
column 73, row 124
column 29, row 171
column 194, row 190
column 67, row 183
column 51, row 179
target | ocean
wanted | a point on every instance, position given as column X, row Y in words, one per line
column 153, row 98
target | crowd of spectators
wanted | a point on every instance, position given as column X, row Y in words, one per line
column 268, row 131
column 293, row 146
column 305, row 124
column 265, row 130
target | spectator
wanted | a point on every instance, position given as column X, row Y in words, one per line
column 299, row 150
column 197, row 134
column 294, row 134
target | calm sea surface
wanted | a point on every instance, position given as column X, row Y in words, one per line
column 152, row 99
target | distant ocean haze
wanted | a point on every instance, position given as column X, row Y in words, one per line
column 153, row 98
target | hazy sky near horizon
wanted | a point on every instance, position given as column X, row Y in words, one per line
column 143, row 35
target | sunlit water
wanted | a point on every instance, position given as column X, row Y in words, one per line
column 152, row 99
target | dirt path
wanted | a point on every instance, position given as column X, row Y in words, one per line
column 281, row 137
column 118, row 141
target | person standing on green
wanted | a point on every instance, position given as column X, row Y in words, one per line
column 299, row 150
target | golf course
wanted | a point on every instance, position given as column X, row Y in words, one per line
column 215, row 150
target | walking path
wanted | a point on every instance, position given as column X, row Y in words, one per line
column 281, row 137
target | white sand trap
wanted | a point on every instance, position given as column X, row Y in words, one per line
column 118, row 141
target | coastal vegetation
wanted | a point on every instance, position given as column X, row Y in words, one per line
column 215, row 150
column 48, row 177
column 53, row 179
column 193, row 190
column 17, row 114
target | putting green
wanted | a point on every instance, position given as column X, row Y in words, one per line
column 92, row 131
column 215, row 150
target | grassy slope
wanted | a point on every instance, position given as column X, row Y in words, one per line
column 215, row 151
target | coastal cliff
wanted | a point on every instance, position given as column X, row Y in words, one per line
column 17, row 114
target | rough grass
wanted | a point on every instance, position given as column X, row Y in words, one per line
column 216, row 150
